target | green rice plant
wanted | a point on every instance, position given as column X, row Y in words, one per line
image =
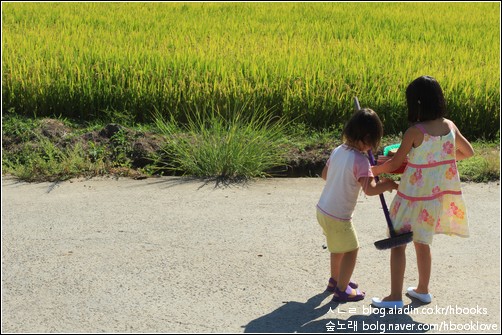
column 304, row 60
column 234, row 147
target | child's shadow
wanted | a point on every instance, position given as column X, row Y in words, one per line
column 297, row 317
column 290, row 317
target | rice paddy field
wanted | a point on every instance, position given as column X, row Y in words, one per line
column 300, row 61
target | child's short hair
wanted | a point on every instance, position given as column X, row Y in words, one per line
column 365, row 126
column 425, row 100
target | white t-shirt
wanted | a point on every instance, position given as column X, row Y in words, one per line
column 339, row 196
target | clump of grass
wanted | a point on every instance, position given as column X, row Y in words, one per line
column 44, row 161
column 33, row 151
column 231, row 147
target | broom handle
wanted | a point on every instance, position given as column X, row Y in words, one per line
column 382, row 199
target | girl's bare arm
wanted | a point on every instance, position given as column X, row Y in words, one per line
column 410, row 137
column 371, row 187
column 464, row 148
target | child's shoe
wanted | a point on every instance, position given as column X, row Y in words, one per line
column 332, row 284
column 346, row 296
column 387, row 303
column 423, row 297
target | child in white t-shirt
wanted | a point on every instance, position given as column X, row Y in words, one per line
column 346, row 172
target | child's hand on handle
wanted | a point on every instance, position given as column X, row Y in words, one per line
column 372, row 186
column 389, row 184
column 376, row 169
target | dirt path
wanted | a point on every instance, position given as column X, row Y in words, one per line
column 170, row 255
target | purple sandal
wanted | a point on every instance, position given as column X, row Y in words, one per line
column 334, row 283
column 345, row 296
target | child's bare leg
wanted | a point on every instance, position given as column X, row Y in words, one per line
column 424, row 264
column 335, row 260
column 347, row 265
column 397, row 268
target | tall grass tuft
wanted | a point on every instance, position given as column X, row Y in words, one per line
column 224, row 147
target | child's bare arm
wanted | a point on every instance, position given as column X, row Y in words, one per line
column 409, row 138
column 371, row 187
column 464, row 148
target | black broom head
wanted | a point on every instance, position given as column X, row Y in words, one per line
column 395, row 241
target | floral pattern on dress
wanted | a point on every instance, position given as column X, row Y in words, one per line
column 426, row 217
column 429, row 199
column 455, row 211
column 406, row 228
column 416, row 178
column 438, row 226
column 430, row 158
column 448, row 148
column 451, row 172
column 395, row 208
column 436, row 190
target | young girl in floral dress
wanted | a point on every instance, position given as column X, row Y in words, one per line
column 429, row 199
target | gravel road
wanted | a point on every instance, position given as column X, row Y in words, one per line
column 173, row 255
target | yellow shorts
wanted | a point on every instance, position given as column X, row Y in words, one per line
column 340, row 235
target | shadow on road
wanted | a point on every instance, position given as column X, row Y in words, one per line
column 216, row 182
column 298, row 317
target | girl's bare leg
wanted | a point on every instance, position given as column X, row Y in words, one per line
column 347, row 265
column 397, row 268
column 424, row 264
column 335, row 260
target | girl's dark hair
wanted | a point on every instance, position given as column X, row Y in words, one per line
column 365, row 126
column 425, row 100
